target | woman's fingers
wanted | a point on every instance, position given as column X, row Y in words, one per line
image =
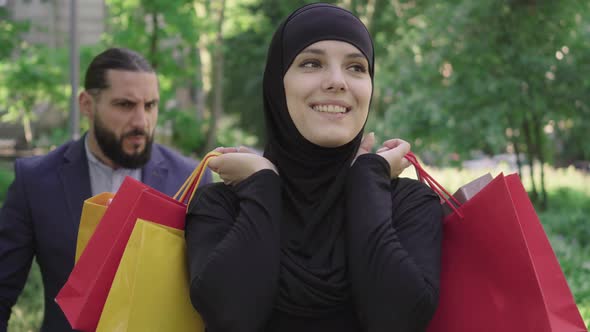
column 233, row 149
column 394, row 142
column 222, row 149
column 243, row 149
column 394, row 151
column 216, row 162
column 381, row 149
column 233, row 167
column 405, row 163
column 366, row 145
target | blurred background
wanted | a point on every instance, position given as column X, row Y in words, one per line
column 475, row 86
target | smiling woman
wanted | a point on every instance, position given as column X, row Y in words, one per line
column 318, row 234
column 328, row 90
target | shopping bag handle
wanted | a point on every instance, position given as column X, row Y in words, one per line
column 191, row 183
column 426, row 178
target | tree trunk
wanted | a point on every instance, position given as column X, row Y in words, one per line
column 154, row 38
column 345, row 4
column 28, row 129
column 218, row 84
column 539, row 151
column 517, row 153
column 530, row 156
column 25, row 115
column 204, row 74
column 197, row 91
column 365, row 13
column 514, row 138
column 369, row 14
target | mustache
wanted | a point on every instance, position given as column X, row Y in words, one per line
column 135, row 132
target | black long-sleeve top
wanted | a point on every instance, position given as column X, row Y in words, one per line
column 393, row 235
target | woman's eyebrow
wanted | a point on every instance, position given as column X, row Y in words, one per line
column 355, row 55
column 313, row 51
column 322, row 52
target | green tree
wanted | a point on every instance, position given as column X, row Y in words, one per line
column 464, row 76
column 8, row 30
column 32, row 80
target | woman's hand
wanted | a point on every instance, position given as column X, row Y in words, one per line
column 236, row 164
column 392, row 150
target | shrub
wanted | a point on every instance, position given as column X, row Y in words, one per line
column 6, row 177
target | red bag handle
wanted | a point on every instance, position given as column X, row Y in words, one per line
column 426, row 178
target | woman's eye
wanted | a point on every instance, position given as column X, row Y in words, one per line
column 310, row 64
column 358, row 68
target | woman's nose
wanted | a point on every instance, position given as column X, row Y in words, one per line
column 334, row 80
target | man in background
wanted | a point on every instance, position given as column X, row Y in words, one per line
column 41, row 214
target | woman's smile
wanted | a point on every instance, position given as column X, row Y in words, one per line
column 331, row 111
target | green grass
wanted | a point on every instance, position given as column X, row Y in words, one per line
column 566, row 224
column 27, row 313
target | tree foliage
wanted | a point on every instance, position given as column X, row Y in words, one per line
column 488, row 76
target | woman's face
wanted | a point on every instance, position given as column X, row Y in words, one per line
column 328, row 90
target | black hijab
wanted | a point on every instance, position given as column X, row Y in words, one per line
column 313, row 277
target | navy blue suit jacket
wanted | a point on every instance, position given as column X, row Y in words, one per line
column 41, row 214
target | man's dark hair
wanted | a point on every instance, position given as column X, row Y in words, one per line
column 117, row 59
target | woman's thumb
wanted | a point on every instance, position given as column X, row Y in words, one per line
column 367, row 143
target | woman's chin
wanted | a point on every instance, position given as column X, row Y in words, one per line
column 331, row 141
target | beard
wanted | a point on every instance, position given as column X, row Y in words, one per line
column 112, row 146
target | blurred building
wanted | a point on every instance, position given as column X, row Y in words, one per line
column 49, row 25
column 50, row 20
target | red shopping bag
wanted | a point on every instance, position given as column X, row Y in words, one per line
column 83, row 296
column 499, row 272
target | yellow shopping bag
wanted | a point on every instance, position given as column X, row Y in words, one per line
column 150, row 291
column 92, row 211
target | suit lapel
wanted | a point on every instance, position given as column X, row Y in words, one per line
column 155, row 172
column 75, row 178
